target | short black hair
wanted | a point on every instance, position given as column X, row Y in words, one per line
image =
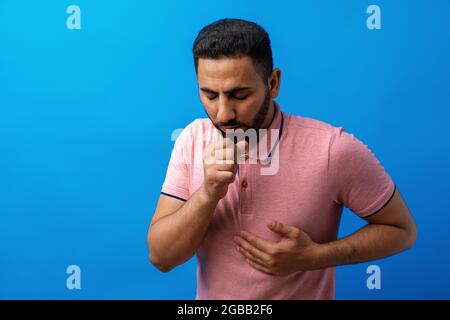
column 235, row 38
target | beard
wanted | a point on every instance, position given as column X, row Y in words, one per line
column 262, row 112
column 257, row 122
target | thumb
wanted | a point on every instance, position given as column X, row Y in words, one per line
column 283, row 229
column 241, row 148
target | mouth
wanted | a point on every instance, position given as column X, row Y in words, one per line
column 230, row 127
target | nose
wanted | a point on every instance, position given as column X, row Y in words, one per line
column 225, row 112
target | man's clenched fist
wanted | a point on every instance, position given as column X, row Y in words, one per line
column 220, row 165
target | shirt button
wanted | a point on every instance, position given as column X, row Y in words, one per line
column 244, row 184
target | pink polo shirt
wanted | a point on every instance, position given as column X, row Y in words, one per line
column 320, row 170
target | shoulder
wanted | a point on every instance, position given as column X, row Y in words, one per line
column 306, row 124
column 197, row 128
column 306, row 127
column 339, row 144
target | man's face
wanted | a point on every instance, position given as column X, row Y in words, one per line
column 233, row 93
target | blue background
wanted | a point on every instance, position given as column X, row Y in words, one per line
column 86, row 118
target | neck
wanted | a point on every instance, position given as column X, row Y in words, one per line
column 270, row 116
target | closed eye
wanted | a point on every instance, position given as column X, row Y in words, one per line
column 211, row 97
column 241, row 98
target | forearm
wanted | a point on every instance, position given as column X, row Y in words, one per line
column 174, row 239
column 374, row 241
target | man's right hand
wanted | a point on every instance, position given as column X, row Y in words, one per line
column 220, row 165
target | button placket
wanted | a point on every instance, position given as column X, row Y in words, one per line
column 244, row 189
column 241, row 174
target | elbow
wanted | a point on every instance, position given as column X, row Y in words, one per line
column 411, row 236
column 159, row 263
column 157, row 260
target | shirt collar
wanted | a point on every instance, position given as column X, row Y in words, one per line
column 273, row 136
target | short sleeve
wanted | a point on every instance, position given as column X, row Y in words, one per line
column 176, row 183
column 358, row 180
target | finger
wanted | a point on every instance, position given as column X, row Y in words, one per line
column 240, row 149
column 213, row 158
column 224, row 151
column 224, row 143
column 224, row 167
column 259, row 267
column 209, row 154
column 225, row 155
column 261, row 244
column 217, row 144
column 248, row 255
column 225, row 176
column 283, row 229
column 248, row 247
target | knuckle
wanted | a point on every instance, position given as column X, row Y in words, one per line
column 270, row 262
column 223, row 179
column 295, row 233
column 230, row 177
column 274, row 252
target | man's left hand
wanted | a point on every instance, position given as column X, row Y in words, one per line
column 294, row 252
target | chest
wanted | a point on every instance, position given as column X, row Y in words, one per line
column 297, row 195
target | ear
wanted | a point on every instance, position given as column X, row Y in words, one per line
column 274, row 82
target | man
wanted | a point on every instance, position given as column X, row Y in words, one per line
column 267, row 236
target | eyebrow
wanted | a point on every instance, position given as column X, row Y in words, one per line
column 234, row 90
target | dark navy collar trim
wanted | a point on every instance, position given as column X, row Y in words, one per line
column 269, row 157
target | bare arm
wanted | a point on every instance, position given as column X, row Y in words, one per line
column 174, row 237
column 388, row 232
column 177, row 228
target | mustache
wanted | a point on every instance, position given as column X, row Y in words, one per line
column 231, row 123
